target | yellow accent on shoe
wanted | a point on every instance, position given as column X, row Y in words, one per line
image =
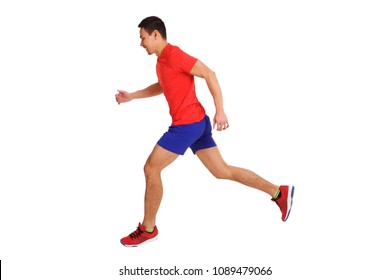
column 277, row 194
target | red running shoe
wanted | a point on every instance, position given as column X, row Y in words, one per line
column 139, row 237
column 285, row 200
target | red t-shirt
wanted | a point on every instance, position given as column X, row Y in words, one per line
column 173, row 71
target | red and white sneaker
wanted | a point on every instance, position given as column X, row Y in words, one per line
column 285, row 200
column 139, row 237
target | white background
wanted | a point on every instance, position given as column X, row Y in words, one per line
column 304, row 83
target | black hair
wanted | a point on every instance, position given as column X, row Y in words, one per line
column 153, row 23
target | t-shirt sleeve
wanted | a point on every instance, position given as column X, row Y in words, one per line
column 184, row 61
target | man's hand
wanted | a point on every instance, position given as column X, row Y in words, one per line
column 123, row 96
column 221, row 121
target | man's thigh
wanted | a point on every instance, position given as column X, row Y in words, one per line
column 160, row 157
column 212, row 159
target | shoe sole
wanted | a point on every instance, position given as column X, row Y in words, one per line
column 146, row 241
column 289, row 201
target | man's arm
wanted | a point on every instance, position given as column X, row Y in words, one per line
column 202, row 71
column 152, row 90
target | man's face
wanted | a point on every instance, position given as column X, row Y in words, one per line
column 148, row 41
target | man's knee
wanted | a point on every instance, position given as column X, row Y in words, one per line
column 150, row 169
column 223, row 173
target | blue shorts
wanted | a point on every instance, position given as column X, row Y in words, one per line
column 196, row 136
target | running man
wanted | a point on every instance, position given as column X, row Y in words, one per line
column 190, row 128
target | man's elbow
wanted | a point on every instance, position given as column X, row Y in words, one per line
column 209, row 75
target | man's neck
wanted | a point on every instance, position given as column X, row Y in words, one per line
column 161, row 48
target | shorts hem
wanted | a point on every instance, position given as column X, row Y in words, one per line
column 171, row 150
column 202, row 148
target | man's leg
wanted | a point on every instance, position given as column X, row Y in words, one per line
column 156, row 162
column 282, row 196
column 147, row 231
column 212, row 159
